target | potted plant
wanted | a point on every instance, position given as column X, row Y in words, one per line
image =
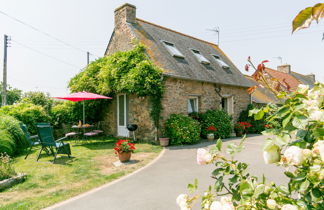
column 210, row 133
column 239, row 129
column 124, row 149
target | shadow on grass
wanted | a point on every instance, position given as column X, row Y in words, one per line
column 97, row 144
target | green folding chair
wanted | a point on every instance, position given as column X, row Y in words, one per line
column 32, row 140
column 47, row 141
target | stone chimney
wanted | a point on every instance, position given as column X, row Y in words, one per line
column 286, row 68
column 125, row 14
column 312, row 77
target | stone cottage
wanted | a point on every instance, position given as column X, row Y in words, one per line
column 198, row 75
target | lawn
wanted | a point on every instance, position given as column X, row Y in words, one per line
column 90, row 167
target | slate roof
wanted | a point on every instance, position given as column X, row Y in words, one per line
column 152, row 35
column 304, row 79
column 262, row 95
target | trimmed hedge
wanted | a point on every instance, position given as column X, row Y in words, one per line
column 182, row 129
column 29, row 114
column 220, row 120
column 11, row 133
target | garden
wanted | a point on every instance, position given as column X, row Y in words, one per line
column 91, row 165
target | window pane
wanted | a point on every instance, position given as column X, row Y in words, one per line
column 200, row 57
column 173, row 50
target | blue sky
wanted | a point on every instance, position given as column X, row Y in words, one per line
column 260, row 29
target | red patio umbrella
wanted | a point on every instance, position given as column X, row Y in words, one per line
column 83, row 96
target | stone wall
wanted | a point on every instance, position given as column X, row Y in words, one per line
column 139, row 113
column 177, row 93
column 175, row 100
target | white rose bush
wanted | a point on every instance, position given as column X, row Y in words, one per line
column 295, row 141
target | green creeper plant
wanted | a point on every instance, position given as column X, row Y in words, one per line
column 124, row 72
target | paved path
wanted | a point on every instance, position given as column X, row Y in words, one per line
column 157, row 186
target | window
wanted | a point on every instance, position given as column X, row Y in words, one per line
column 193, row 104
column 200, row 57
column 222, row 63
column 227, row 104
column 173, row 50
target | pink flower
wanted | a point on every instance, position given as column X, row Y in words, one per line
column 203, row 156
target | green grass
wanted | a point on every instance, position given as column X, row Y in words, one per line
column 90, row 167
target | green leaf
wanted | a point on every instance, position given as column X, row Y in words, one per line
column 259, row 115
column 217, row 171
column 316, row 195
column 219, row 145
column 303, row 19
column 253, row 112
column 318, row 133
column 289, row 174
column 304, row 186
column 283, row 111
column 259, row 190
column 246, row 188
column 286, row 120
column 318, row 11
column 300, row 121
column 283, row 189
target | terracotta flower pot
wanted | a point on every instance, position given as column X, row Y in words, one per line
column 210, row 136
column 124, row 156
column 239, row 134
column 164, row 142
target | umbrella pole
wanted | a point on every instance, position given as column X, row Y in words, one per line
column 83, row 114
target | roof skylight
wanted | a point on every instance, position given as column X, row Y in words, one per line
column 200, row 57
column 221, row 62
column 173, row 50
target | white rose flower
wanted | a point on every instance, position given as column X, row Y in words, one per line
column 271, row 204
column 289, row 207
column 318, row 149
column 224, row 204
column 228, row 206
column 203, row 156
column 317, row 115
column 271, row 154
column 294, row 155
column 307, row 153
column 302, row 88
column 216, row 205
column 182, row 201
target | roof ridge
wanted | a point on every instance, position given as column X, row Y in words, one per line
column 201, row 40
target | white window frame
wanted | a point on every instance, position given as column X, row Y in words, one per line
column 202, row 59
column 196, row 104
column 220, row 62
column 230, row 104
column 172, row 49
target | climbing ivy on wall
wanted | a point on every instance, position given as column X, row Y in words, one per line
column 123, row 72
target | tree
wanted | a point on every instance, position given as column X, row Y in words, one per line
column 38, row 98
column 13, row 95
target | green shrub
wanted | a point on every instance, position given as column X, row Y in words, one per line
column 182, row 129
column 7, row 144
column 38, row 98
column 6, row 168
column 257, row 125
column 69, row 112
column 220, row 120
column 29, row 114
column 10, row 126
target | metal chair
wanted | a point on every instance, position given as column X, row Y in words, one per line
column 47, row 141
